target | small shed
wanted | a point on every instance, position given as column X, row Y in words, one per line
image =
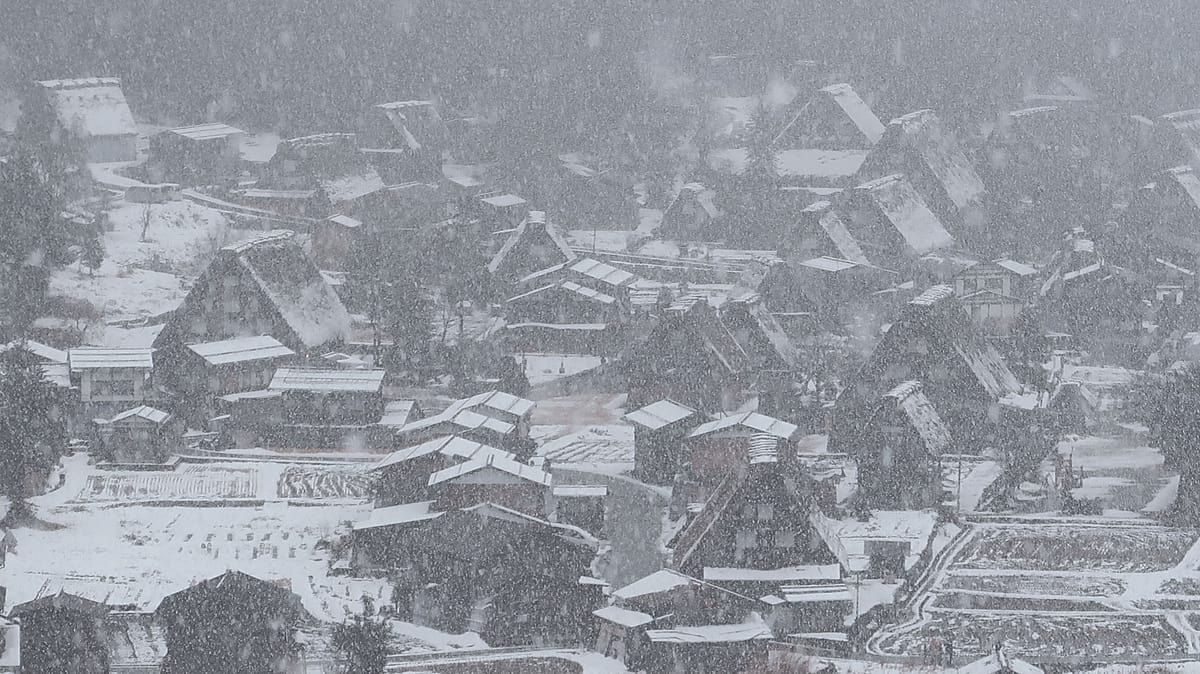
column 141, row 435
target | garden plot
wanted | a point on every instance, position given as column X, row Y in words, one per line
column 1041, row 585
column 1119, row 473
column 1043, row 635
column 1076, row 548
column 161, row 550
column 187, row 483
column 595, row 444
column 325, row 482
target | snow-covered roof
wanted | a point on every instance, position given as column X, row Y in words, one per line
column 937, row 310
column 660, row 414
column 397, row 412
column 533, row 225
column 749, row 420
column 1098, row 376
column 569, row 286
column 345, row 221
column 144, row 412
column 832, row 264
column 903, row 208
column 830, row 221
column 93, row 106
column 465, row 420
column 240, row 349
column 314, row 379
column 492, row 462
column 1018, row 268
column 602, row 272
column 812, row 594
column 911, row 400
column 719, row 574
column 711, row 634
column 663, row 580
column 294, row 286
column 857, row 110
column 450, row 446
column 999, row 663
column 206, row 131
column 820, row 164
column 349, row 187
column 622, row 616
column 503, row 200
column 405, row 513
column 937, row 148
column 580, row 491
column 260, row 394
column 259, row 193
column 43, row 351
column 88, row 358
column 848, row 102
column 495, row 400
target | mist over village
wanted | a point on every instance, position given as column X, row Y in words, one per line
column 515, row 337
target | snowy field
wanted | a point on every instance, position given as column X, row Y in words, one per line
column 1079, row 589
column 104, row 537
column 141, row 278
column 1121, row 474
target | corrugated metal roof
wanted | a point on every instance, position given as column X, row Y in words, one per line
column 500, row 463
column 95, row 359
column 749, row 420
column 313, row 379
column 240, row 349
column 448, row 445
column 660, row 414
column 206, row 131
column 146, row 412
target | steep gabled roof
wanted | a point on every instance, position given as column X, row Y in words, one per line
column 831, row 222
column 532, row 227
column 93, row 106
column 938, row 314
column 232, row 583
column 924, row 419
column 904, row 209
column 291, row 282
column 935, row 146
column 848, row 102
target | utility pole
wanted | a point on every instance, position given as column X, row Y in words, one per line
column 960, row 481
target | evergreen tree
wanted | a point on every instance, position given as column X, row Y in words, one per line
column 33, row 236
column 31, row 431
column 388, row 279
column 1175, row 425
column 92, row 255
column 363, row 642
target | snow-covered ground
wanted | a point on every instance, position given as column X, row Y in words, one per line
column 109, row 535
column 545, row 367
column 141, row 278
column 1085, row 588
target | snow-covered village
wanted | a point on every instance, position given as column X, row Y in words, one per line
column 595, row 338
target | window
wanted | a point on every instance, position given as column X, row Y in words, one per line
column 765, row 511
column 122, row 387
column 785, row 539
column 746, row 539
column 994, row 283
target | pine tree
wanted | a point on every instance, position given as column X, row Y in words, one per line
column 363, row 642
column 93, row 251
column 1176, row 427
column 33, row 236
column 31, row 431
column 387, row 279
